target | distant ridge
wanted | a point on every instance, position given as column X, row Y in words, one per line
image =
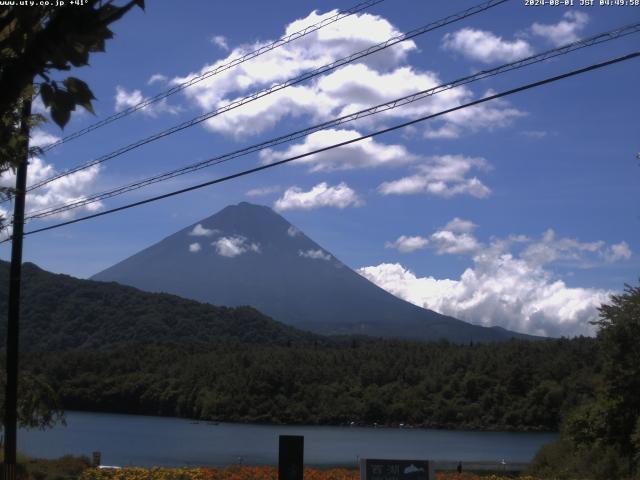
column 249, row 255
column 60, row 312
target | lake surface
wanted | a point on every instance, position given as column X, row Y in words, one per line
column 148, row 441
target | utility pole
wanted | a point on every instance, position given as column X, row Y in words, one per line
column 11, row 396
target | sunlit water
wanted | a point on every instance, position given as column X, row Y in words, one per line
column 147, row 441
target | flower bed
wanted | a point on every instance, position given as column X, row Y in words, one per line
column 250, row 473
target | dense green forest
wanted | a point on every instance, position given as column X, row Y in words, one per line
column 514, row 385
column 105, row 347
column 60, row 312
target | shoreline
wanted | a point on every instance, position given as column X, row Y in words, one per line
column 374, row 426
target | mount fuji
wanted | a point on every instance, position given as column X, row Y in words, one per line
column 249, row 255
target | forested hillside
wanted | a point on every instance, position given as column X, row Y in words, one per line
column 61, row 312
column 514, row 385
column 106, row 347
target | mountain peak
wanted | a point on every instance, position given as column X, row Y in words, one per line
column 247, row 254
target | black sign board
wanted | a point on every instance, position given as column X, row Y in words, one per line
column 291, row 457
column 378, row 469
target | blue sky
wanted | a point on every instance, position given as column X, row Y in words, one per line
column 521, row 213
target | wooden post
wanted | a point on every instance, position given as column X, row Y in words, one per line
column 15, row 276
column 291, row 457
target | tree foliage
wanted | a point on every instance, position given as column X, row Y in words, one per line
column 386, row 382
column 602, row 436
column 108, row 347
column 38, row 42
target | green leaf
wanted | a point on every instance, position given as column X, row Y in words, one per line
column 61, row 107
column 60, row 115
column 80, row 92
column 46, row 92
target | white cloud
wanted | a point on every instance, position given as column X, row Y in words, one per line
column 40, row 138
column 459, row 225
column 200, row 231
column 220, row 41
column 551, row 249
column 71, row 188
column 365, row 153
column 235, row 245
column 619, row 251
column 443, row 176
column 322, row 195
column 195, row 247
column 506, row 285
column 262, row 191
column 293, row 231
column 407, row 244
column 323, row 46
column 125, row 99
column 314, row 254
column 454, row 243
column 373, row 79
column 565, row 31
column 485, row 46
column 157, row 78
column 484, row 117
column 500, row 291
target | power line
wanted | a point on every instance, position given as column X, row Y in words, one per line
column 214, row 71
column 277, row 87
column 341, row 144
column 562, row 50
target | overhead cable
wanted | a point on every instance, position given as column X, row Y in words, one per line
column 505, row 93
column 275, row 88
column 396, row 103
column 216, row 70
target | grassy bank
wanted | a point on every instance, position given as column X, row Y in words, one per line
column 63, row 468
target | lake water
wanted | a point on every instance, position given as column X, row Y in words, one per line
column 148, row 441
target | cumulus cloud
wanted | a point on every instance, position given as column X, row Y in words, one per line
column 506, row 284
column 619, row 251
column 157, row 78
column 71, row 188
column 459, row 225
column 551, row 249
column 485, row 46
column 200, row 231
column 323, row 46
column 322, row 195
column 220, row 41
column 126, row 99
column 371, row 80
column 443, row 176
column 565, row 31
column 366, row 153
column 40, row 138
column 314, row 254
column 195, row 247
column 454, row 243
column 262, row 191
column 234, row 245
column 405, row 244
column 486, row 116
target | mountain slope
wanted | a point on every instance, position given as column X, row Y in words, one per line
column 61, row 312
column 249, row 255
